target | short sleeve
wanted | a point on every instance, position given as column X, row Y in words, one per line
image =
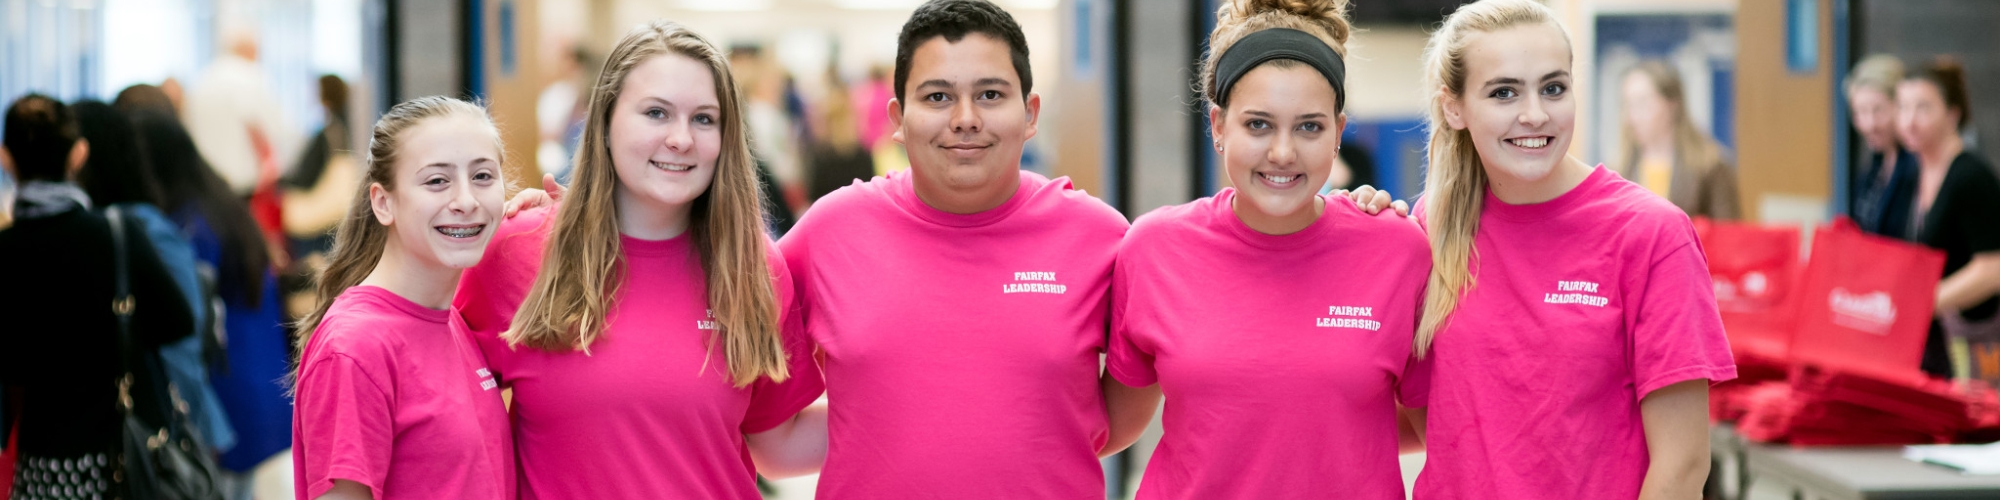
column 1127, row 358
column 1676, row 334
column 1978, row 205
column 346, row 429
column 491, row 292
column 771, row 403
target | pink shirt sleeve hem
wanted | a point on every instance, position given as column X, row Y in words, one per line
column 792, row 406
column 1714, row 375
column 322, row 485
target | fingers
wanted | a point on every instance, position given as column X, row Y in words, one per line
column 1402, row 208
column 1380, row 201
column 526, row 199
column 555, row 191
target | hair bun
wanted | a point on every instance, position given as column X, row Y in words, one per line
column 1328, row 14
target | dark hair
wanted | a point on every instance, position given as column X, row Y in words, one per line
column 116, row 171
column 1949, row 76
column 186, row 181
column 40, row 133
column 333, row 95
column 953, row 19
column 143, row 98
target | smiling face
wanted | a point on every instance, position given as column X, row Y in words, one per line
column 1516, row 104
column 666, row 133
column 1278, row 141
column 447, row 195
column 964, row 122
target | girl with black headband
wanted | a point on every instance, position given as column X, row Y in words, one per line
column 1575, row 328
column 1277, row 384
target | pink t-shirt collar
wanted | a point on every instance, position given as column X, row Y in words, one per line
column 1531, row 212
column 403, row 305
column 1225, row 209
column 636, row 247
column 904, row 192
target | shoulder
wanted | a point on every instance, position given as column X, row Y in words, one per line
column 1971, row 172
column 519, row 240
column 1396, row 232
column 1168, row 223
column 1643, row 221
column 1080, row 207
column 358, row 326
column 858, row 195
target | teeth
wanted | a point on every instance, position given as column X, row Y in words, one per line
column 671, row 167
column 461, row 232
column 1533, row 143
column 1281, row 179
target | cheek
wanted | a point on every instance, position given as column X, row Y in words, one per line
column 709, row 145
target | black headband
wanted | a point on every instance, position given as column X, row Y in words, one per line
column 1280, row 43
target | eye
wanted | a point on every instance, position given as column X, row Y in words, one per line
column 435, row 181
column 483, row 176
column 937, row 97
column 1502, row 93
column 656, row 113
column 704, row 119
column 1311, row 127
column 990, row 94
column 1555, row 89
column 1257, row 124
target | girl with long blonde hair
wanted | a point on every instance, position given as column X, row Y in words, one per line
column 1223, row 304
column 1570, row 330
column 393, row 399
column 641, row 323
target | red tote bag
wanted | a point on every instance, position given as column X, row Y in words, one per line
column 1756, row 271
column 1865, row 304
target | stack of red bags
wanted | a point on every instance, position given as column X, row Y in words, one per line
column 1827, row 349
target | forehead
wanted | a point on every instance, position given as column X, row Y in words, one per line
column 974, row 56
column 1283, row 89
column 454, row 139
column 1523, row 52
column 1914, row 90
column 672, row 77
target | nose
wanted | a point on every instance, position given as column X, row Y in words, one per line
column 1535, row 115
column 1281, row 153
column 965, row 117
column 680, row 136
column 463, row 199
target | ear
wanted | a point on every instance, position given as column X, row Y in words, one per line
column 78, row 154
column 380, row 203
column 1215, row 126
column 1034, row 113
column 1339, row 128
column 896, row 119
column 7, row 161
column 1454, row 110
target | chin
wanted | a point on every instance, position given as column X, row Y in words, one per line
column 1529, row 170
column 459, row 259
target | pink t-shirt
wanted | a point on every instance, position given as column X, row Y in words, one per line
column 1582, row 306
column 651, row 411
column 961, row 350
column 394, row 396
column 1279, row 355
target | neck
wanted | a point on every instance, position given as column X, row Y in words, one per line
column 426, row 283
column 1514, row 191
column 1277, row 225
column 970, row 200
column 1658, row 149
column 1939, row 157
column 650, row 221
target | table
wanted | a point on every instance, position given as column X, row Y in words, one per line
column 1836, row 473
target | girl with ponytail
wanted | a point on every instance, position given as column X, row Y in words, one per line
column 644, row 323
column 1221, row 304
column 1569, row 312
column 393, row 399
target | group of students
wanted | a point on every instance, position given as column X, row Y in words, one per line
column 1543, row 328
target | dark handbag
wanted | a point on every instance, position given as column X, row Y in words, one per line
column 154, row 464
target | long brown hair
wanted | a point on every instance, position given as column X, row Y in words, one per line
column 1691, row 147
column 359, row 239
column 568, row 306
column 1455, row 185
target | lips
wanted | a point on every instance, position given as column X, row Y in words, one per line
column 1280, row 180
column 1536, row 142
column 465, row 231
column 671, row 167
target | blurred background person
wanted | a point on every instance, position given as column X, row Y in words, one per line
column 226, row 238
column 236, row 120
column 1957, row 201
column 117, row 175
column 1665, row 153
column 314, row 196
column 560, row 111
column 59, row 263
column 838, row 155
column 1886, row 186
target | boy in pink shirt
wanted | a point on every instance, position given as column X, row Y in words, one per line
column 1575, row 326
column 393, row 399
column 960, row 306
column 1281, row 373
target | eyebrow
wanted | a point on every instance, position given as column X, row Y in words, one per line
column 1516, row 81
column 449, row 165
column 983, row 82
column 1264, row 114
column 707, row 107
